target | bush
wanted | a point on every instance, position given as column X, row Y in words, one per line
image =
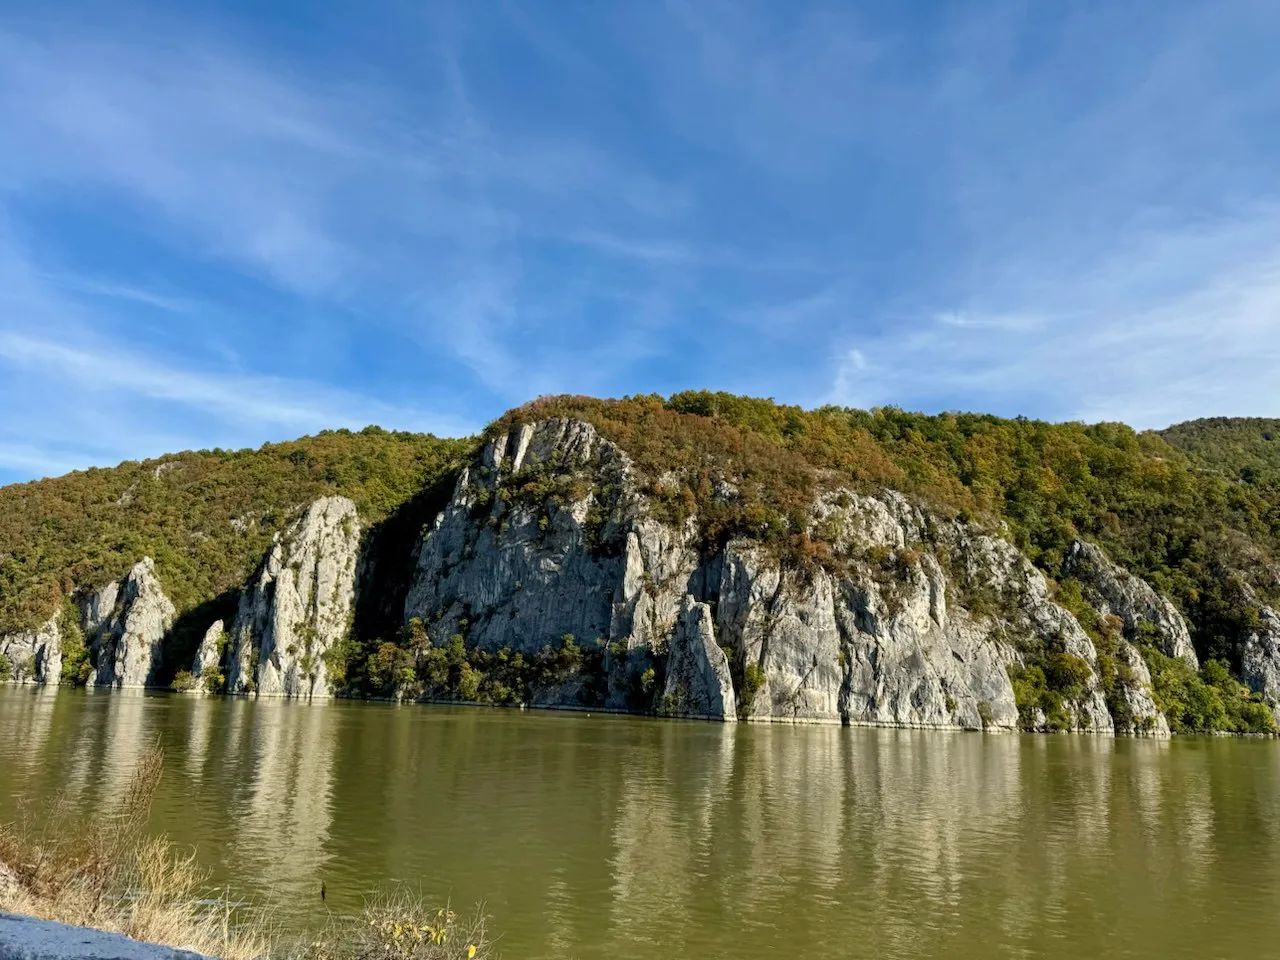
column 1207, row 701
column 6, row 669
column 648, row 679
column 214, row 681
column 393, row 671
column 401, row 926
column 1067, row 674
column 105, row 872
column 753, row 678
column 1049, row 683
column 76, row 668
column 183, row 682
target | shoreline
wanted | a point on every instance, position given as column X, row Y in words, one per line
column 615, row 712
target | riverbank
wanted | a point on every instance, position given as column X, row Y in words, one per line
column 104, row 874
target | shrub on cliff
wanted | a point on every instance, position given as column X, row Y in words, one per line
column 1192, row 532
column 1206, row 701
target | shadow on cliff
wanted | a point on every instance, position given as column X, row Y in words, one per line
column 183, row 639
column 388, row 558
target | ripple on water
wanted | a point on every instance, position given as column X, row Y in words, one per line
column 623, row 837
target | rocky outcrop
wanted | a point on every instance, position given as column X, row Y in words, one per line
column 698, row 680
column 506, row 569
column 1032, row 616
column 552, row 532
column 1260, row 659
column 786, row 630
column 208, row 658
column 298, row 606
column 1114, row 591
column 35, row 656
column 1135, row 710
column 125, row 624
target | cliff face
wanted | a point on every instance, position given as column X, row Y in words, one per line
column 550, row 533
column 1115, row 592
column 1260, row 663
column 297, row 607
column 572, row 577
column 125, row 625
column 209, row 654
column 36, row 656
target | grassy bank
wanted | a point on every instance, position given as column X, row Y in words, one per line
column 108, row 873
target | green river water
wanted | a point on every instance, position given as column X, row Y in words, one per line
column 621, row 837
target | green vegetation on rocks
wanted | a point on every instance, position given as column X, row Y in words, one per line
column 1193, row 510
column 1198, row 536
column 206, row 516
column 413, row 668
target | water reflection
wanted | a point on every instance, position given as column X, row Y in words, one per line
column 282, row 828
column 618, row 837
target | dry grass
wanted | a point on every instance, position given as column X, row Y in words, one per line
column 401, row 926
column 106, row 872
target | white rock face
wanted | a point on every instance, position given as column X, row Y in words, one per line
column 96, row 609
column 1260, row 661
column 298, row 605
column 524, row 575
column 1134, row 693
column 125, row 625
column 549, row 533
column 35, row 657
column 208, row 655
column 787, row 629
column 698, row 680
column 1115, row 591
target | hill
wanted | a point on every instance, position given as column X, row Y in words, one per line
column 205, row 516
column 1191, row 512
column 1242, row 448
column 1193, row 533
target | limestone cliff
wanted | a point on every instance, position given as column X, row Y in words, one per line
column 698, row 679
column 1116, row 592
column 125, row 624
column 1260, row 662
column 35, row 656
column 209, row 654
column 552, row 532
column 298, row 605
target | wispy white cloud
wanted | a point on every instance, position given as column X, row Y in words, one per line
column 296, row 405
column 350, row 194
column 36, row 461
column 1207, row 341
column 113, row 290
column 210, row 231
column 83, row 393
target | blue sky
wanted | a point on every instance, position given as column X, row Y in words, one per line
column 227, row 223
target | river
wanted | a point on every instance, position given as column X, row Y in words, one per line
column 624, row 837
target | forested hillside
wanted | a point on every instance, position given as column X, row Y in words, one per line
column 205, row 516
column 1195, row 534
column 1245, row 449
column 1193, row 510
